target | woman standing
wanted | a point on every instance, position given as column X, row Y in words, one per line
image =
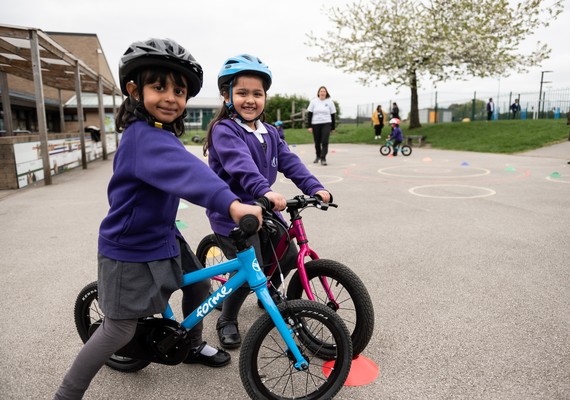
column 378, row 122
column 322, row 121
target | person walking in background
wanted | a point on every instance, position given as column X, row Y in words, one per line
column 490, row 109
column 141, row 254
column 396, row 135
column 395, row 111
column 515, row 108
column 248, row 154
column 378, row 122
column 322, row 121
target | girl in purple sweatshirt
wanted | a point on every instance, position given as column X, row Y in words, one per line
column 247, row 154
column 142, row 255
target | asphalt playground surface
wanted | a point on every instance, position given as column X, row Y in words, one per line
column 466, row 257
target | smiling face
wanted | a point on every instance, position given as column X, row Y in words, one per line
column 322, row 93
column 165, row 101
column 248, row 96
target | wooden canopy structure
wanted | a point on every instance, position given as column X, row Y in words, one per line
column 31, row 54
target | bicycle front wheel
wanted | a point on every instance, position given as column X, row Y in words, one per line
column 406, row 150
column 385, row 150
column 266, row 366
column 349, row 297
column 88, row 316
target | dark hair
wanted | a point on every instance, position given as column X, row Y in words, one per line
column 224, row 112
column 326, row 90
column 133, row 109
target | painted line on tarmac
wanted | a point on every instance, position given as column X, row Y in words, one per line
column 556, row 179
column 485, row 192
column 475, row 172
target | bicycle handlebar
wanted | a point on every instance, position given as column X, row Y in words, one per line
column 249, row 224
column 296, row 203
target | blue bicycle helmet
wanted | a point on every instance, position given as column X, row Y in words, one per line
column 234, row 66
column 243, row 63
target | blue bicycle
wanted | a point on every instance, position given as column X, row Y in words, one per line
column 299, row 349
column 387, row 148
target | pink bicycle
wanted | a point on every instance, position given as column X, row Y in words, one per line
column 325, row 281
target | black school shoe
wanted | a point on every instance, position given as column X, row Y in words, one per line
column 220, row 359
column 228, row 333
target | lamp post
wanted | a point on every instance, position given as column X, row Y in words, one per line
column 540, row 101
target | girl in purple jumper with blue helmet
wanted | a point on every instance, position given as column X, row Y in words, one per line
column 141, row 254
column 247, row 154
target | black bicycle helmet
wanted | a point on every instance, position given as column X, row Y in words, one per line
column 161, row 53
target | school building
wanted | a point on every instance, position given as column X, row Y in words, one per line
column 55, row 86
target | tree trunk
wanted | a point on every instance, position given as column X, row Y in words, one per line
column 414, row 112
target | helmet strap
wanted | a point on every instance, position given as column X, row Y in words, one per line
column 142, row 114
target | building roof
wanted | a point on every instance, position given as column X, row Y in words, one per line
column 204, row 102
column 91, row 100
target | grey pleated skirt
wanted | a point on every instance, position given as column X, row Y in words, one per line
column 130, row 290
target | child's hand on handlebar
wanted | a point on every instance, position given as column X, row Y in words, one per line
column 279, row 202
column 324, row 195
column 238, row 210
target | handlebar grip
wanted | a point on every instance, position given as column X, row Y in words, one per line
column 265, row 203
column 249, row 224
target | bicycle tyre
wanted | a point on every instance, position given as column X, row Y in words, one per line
column 209, row 253
column 385, row 150
column 406, row 150
column 86, row 314
column 267, row 371
column 356, row 309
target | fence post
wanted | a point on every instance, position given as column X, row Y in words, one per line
column 292, row 113
column 473, row 106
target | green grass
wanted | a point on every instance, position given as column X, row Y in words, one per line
column 481, row 136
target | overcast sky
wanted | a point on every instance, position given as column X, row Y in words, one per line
column 275, row 31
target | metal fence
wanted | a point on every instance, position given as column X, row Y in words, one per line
column 551, row 103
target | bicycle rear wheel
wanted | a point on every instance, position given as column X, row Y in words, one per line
column 350, row 298
column 385, row 150
column 88, row 316
column 406, row 150
column 267, row 368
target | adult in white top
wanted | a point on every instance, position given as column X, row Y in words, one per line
column 322, row 121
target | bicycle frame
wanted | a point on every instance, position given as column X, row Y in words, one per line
column 248, row 270
column 297, row 231
column 390, row 143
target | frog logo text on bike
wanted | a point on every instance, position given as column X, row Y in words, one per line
column 213, row 300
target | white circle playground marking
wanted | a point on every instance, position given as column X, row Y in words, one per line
column 322, row 179
column 479, row 191
column 557, row 180
column 471, row 171
column 434, row 170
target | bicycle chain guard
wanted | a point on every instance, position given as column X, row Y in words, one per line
column 159, row 340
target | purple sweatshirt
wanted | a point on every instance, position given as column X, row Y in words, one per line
column 238, row 157
column 151, row 172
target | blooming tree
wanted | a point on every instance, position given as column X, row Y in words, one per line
column 403, row 41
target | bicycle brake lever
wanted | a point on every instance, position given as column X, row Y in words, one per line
column 270, row 227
